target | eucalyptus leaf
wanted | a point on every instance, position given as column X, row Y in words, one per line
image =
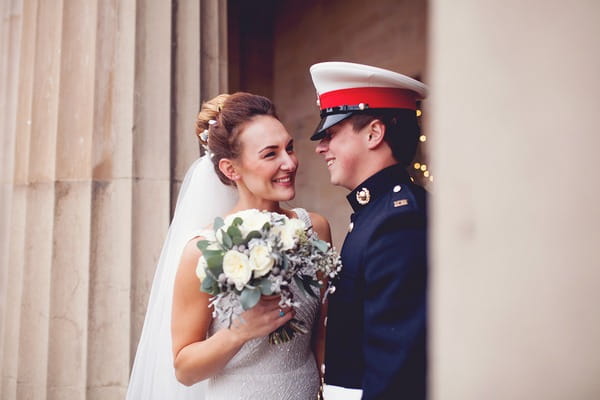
column 308, row 282
column 249, row 297
column 214, row 261
column 300, row 284
column 227, row 242
column 234, row 232
column 212, row 253
column 237, row 221
column 218, row 223
column 202, row 245
column 266, row 287
column 253, row 235
column 208, row 284
column 215, row 270
column 284, row 262
column 321, row 245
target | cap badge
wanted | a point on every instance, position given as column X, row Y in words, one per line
column 363, row 196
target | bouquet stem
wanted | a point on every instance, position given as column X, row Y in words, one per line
column 287, row 332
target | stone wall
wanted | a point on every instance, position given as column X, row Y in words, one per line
column 386, row 33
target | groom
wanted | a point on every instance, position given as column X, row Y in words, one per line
column 376, row 345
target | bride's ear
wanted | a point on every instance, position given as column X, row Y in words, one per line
column 228, row 169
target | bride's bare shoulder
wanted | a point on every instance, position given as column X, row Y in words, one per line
column 321, row 226
column 191, row 249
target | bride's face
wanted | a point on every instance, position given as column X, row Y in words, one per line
column 267, row 165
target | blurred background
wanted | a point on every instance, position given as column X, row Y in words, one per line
column 97, row 108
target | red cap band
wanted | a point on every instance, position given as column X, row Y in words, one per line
column 374, row 97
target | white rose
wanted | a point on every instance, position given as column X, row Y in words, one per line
column 253, row 220
column 289, row 232
column 201, row 268
column 236, row 266
column 261, row 260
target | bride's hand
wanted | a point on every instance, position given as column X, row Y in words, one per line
column 262, row 319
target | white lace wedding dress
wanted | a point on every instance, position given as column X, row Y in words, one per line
column 265, row 371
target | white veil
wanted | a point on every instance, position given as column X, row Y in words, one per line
column 202, row 197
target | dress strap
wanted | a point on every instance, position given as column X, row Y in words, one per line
column 304, row 217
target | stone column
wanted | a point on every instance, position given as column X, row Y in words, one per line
column 97, row 115
column 516, row 221
column 11, row 201
column 151, row 151
column 111, row 240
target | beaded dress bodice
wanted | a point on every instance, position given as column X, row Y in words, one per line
column 265, row 371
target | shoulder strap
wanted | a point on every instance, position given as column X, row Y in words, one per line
column 304, row 217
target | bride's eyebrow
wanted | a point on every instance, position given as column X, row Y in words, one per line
column 271, row 147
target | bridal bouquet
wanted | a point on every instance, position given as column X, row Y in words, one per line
column 254, row 253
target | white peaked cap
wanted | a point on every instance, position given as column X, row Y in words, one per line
column 344, row 89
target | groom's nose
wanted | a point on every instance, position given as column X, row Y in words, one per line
column 321, row 147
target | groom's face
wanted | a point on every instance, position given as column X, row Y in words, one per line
column 343, row 148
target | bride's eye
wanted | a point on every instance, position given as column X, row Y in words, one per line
column 269, row 154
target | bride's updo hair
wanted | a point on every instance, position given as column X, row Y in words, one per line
column 224, row 117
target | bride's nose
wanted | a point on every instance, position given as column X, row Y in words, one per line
column 289, row 163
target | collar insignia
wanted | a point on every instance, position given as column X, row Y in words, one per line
column 363, row 196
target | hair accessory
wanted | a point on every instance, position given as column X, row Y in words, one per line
column 212, row 122
column 204, row 135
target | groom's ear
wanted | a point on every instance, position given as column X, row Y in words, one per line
column 228, row 169
column 375, row 133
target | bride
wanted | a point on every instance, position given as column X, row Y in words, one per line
column 182, row 345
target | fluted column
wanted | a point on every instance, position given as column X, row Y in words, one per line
column 110, row 269
column 11, row 194
column 97, row 115
column 516, row 222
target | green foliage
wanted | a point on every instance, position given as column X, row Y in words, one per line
column 209, row 285
column 253, row 235
column 218, row 223
column 235, row 234
column 320, row 244
column 249, row 297
column 227, row 242
column 265, row 286
column 202, row 245
column 306, row 283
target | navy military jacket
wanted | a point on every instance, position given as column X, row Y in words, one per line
column 376, row 324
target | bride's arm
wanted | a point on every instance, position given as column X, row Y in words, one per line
column 197, row 357
column 321, row 227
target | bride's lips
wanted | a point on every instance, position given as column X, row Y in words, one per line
column 287, row 180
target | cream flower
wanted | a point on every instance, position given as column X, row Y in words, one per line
column 236, row 266
column 261, row 260
column 201, row 268
column 289, row 232
column 253, row 220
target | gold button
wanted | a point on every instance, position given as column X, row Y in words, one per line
column 397, row 188
column 351, row 226
column 363, row 196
